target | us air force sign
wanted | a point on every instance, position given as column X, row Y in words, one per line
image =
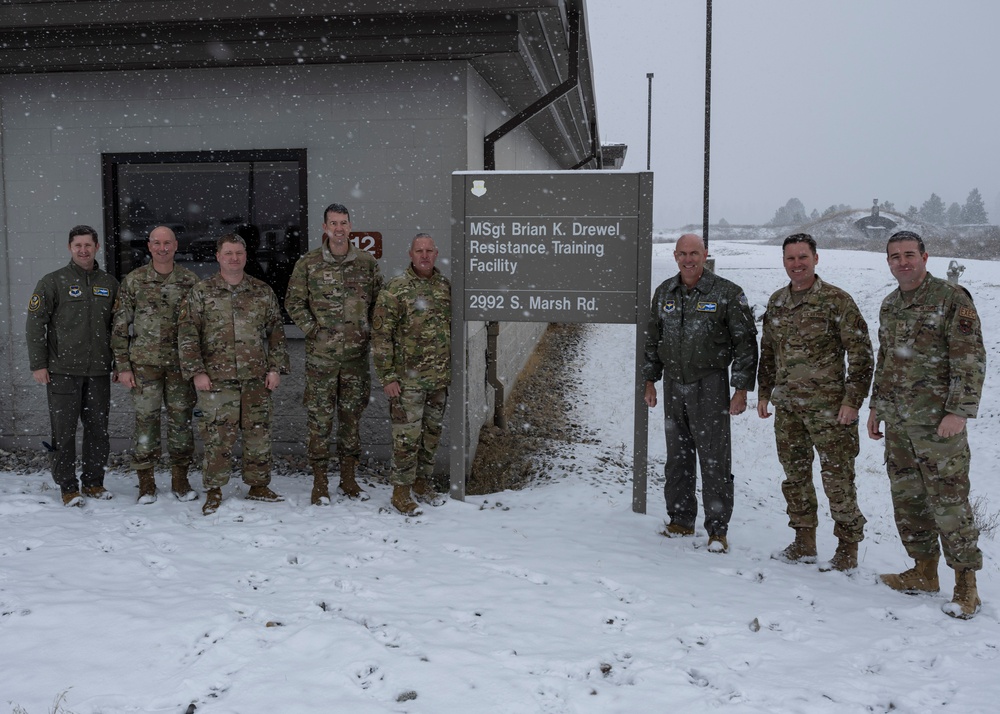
column 550, row 247
column 558, row 246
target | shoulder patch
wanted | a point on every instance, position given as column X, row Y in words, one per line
column 377, row 321
column 967, row 313
column 34, row 303
column 743, row 300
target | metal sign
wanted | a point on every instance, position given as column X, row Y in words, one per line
column 549, row 247
column 552, row 246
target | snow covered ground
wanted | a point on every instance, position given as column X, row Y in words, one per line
column 555, row 599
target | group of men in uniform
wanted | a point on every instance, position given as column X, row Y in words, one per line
column 218, row 345
column 815, row 367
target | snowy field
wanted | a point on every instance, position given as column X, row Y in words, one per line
column 555, row 599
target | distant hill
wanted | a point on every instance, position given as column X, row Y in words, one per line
column 838, row 231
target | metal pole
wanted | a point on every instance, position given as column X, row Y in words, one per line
column 649, row 120
column 708, row 114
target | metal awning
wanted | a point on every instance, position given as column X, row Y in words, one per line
column 520, row 48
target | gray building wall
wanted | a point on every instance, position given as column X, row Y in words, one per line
column 382, row 139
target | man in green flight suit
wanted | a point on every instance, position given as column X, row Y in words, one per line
column 69, row 351
column 699, row 325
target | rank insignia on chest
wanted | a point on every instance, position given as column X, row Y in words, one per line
column 328, row 276
column 707, row 307
column 101, row 292
column 669, row 306
column 75, row 291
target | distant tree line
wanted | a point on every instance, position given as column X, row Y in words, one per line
column 933, row 211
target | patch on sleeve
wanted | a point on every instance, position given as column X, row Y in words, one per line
column 34, row 303
column 377, row 321
column 965, row 326
column 968, row 313
column 743, row 300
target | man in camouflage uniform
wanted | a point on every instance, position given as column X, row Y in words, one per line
column 69, row 351
column 809, row 327
column 928, row 381
column 231, row 340
column 331, row 297
column 699, row 325
column 144, row 341
column 411, row 333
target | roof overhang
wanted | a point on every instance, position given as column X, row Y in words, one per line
column 521, row 48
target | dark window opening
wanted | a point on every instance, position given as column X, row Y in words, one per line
column 201, row 195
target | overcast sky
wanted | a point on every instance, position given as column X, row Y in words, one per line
column 828, row 101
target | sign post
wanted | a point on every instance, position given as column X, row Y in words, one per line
column 559, row 246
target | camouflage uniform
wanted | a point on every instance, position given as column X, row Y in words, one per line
column 692, row 337
column 931, row 362
column 68, row 330
column 235, row 335
column 802, row 373
column 331, row 298
column 411, row 334
column 150, row 303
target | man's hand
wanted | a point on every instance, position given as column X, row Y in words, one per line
column 202, row 383
column 272, row 381
column 650, row 396
column 762, row 411
column 738, row 404
column 847, row 415
column 873, row 422
column 392, row 389
column 951, row 425
column 127, row 379
column 41, row 375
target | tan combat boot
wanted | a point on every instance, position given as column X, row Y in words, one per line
column 966, row 603
column 676, row 530
column 98, row 493
column 802, row 549
column 403, row 501
column 846, row 558
column 921, row 578
column 261, row 492
column 321, row 486
column 180, row 485
column 213, row 499
column 425, row 493
column 147, row 486
column 72, row 499
column 348, row 484
column 718, row 544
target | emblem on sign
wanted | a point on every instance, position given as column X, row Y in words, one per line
column 75, row 291
column 478, row 188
